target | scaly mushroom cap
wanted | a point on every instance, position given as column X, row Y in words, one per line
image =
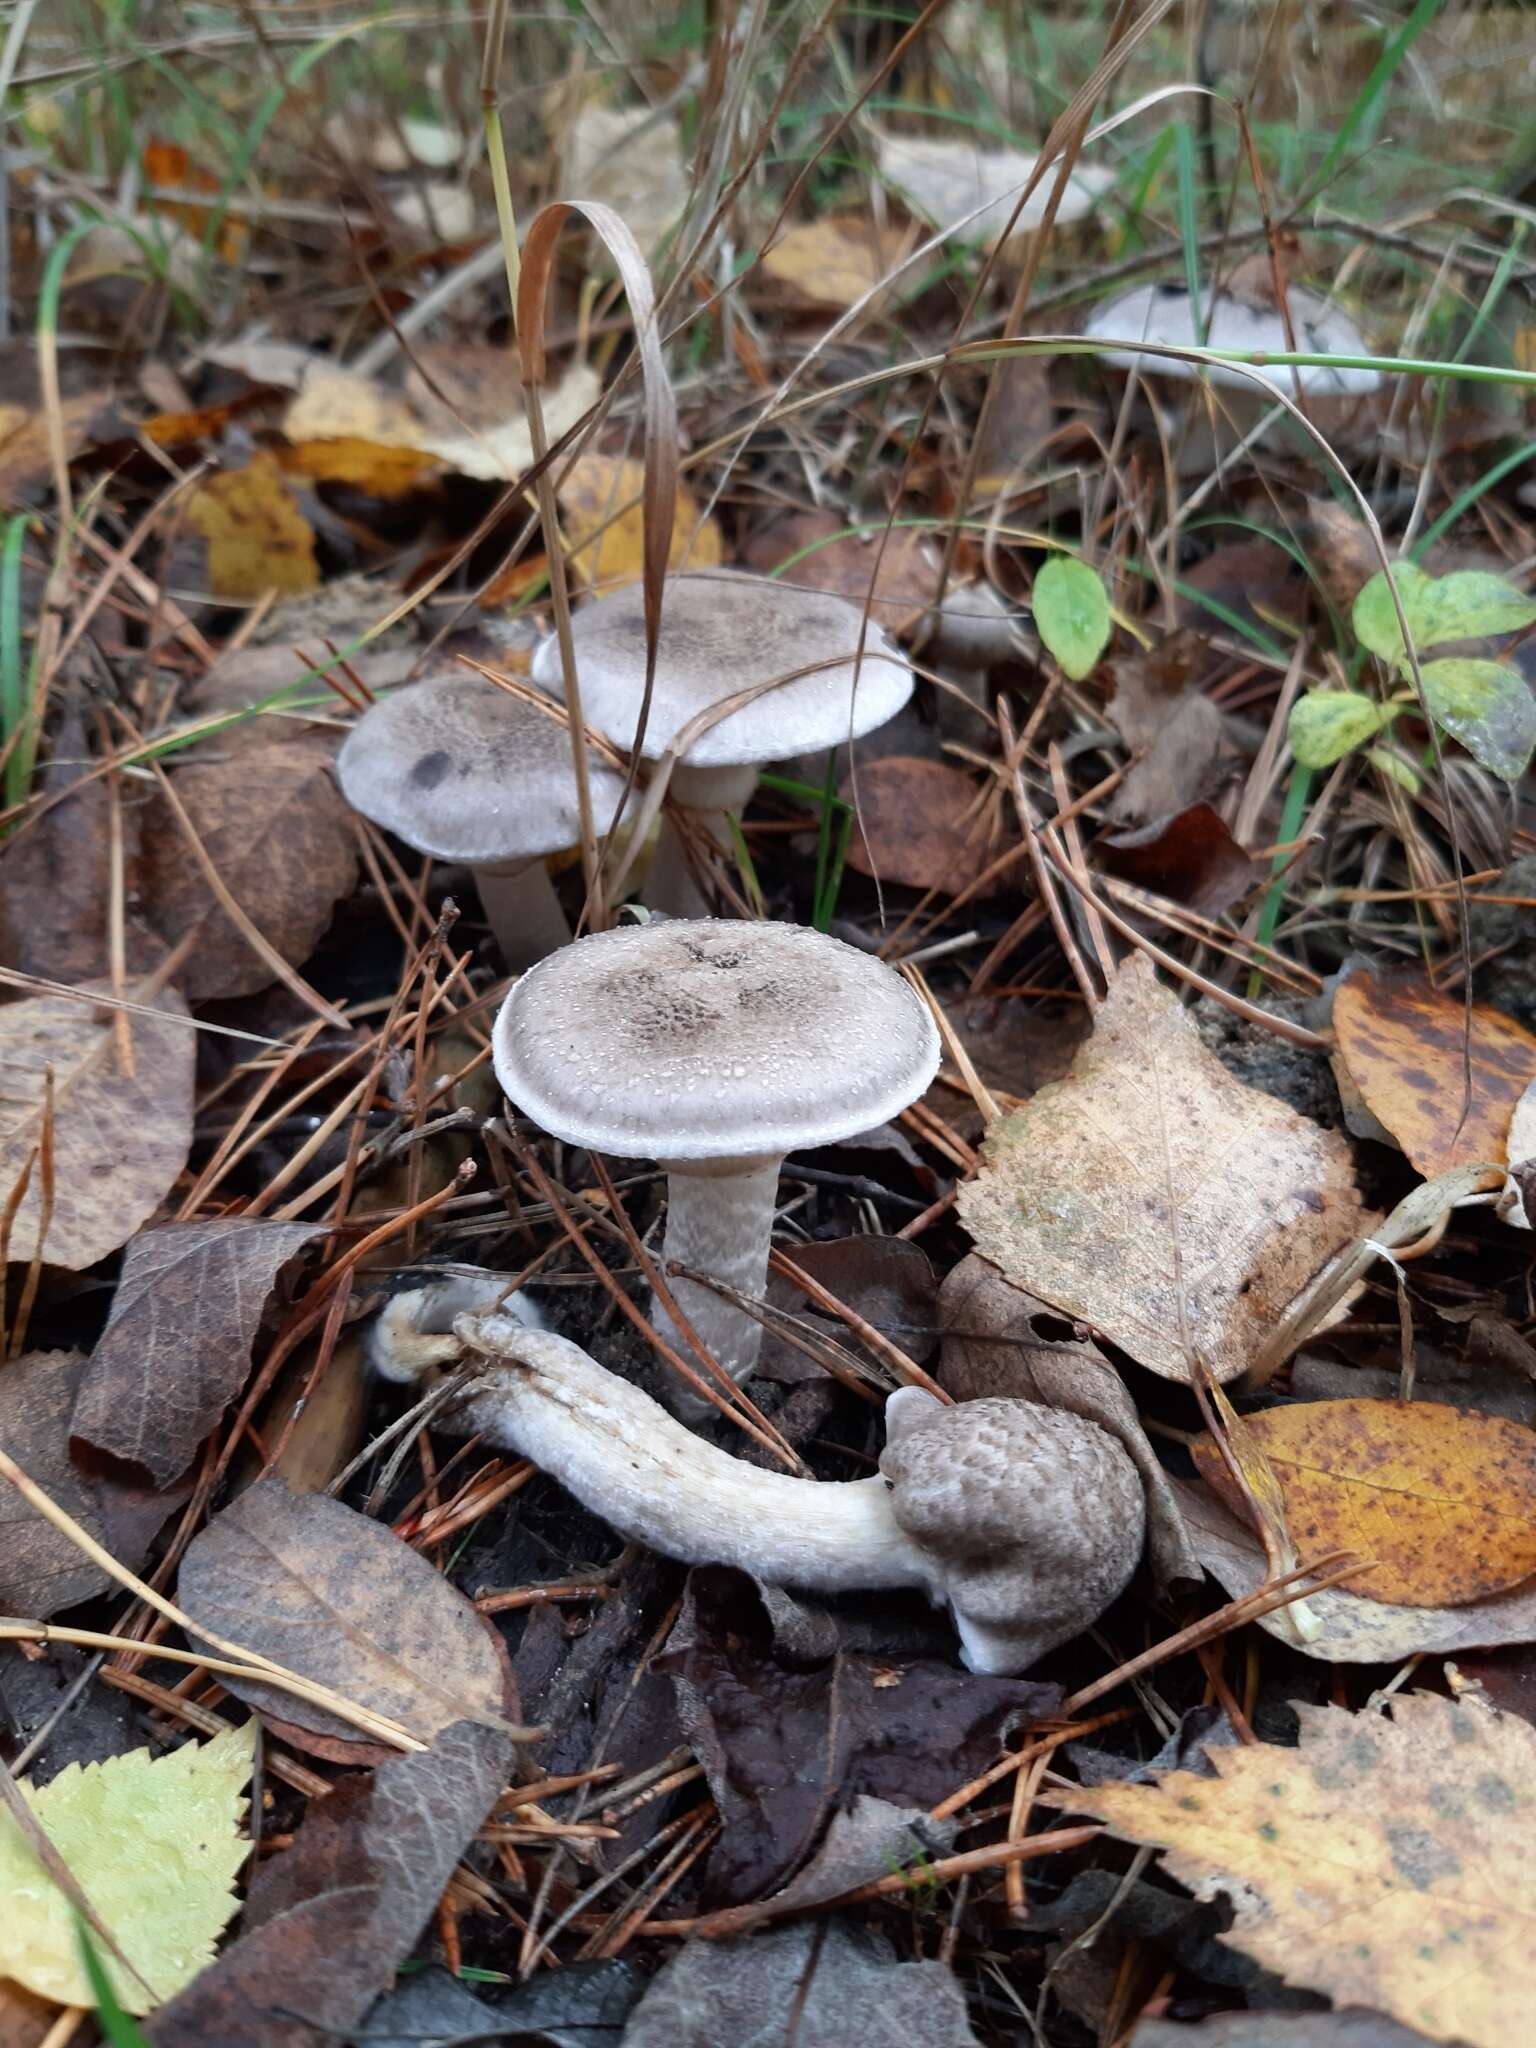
column 709, row 1039
column 467, row 772
column 721, row 633
column 1163, row 313
column 1035, row 1517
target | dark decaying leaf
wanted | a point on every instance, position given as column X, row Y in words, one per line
column 1191, row 858
column 818, row 553
column 283, row 841
column 339, row 1598
column 886, row 1280
column 1281, row 2030
column 817, row 1982
column 785, row 1748
column 1172, row 729
column 580, row 2005
column 327, row 1921
column 177, row 1346
column 119, row 1138
column 40, row 1569
column 919, row 823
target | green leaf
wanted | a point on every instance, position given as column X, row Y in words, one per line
column 1328, row 724
column 1071, row 614
column 1395, row 768
column 1469, row 604
column 1488, row 707
column 1375, row 619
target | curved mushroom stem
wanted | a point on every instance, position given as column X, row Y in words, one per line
column 719, row 1219
column 657, row 1483
column 715, row 795
column 523, row 911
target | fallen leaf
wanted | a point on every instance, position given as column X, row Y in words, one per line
column 436, row 208
column 177, row 1346
column 1071, row 608
column 329, row 1919
column 579, row 2005
column 176, row 1816
column 41, row 1569
column 1386, row 1863
column 1350, row 1628
column 804, row 1982
column 1442, row 1500
column 947, row 181
column 1171, row 727
column 1190, row 858
column 838, row 260
column 1404, row 1045
column 630, row 159
column 1280, row 2030
column 245, row 679
column 1151, row 1195
column 483, row 432
column 381, row 472
column 1018, row 421
column 816, row 552
column 921, row 824
column 283, row 841
column 784, row 1747
column 119, row 1139
column 886, row 1280
column 26, row 442
column 258, row 539
column 596, row 488
column 336, row 1597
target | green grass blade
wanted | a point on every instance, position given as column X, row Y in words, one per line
column 1365, row 112
column 117, row 2027
column 15, row 711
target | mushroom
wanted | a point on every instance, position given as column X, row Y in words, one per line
column 972, row 632
column 715, row 1048
column 974, row 191
column 1165, row 314
column 413, row 1332
column 721, row 634
column 1025, row 1521
column 467, row 772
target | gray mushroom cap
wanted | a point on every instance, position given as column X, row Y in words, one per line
column 721, row 633
column 708, row 1039
column 467, row 772
column 1164, row 313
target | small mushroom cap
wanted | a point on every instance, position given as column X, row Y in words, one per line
column 721, row 633
column 1164, row 313
column 700, row 1038
column 1034, row 1518
column 946, row 180
column 467, row 772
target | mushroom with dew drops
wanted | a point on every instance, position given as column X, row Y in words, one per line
column 724, row 633
column 715, row 1048
column 1026, row 1522
column 467, row 772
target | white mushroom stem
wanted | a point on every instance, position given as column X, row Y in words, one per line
column 719, row 1220
column 714, row 796
column 523, row 911
column 657, row 1483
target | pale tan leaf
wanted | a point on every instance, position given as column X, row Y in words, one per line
column 1158, row 1199
column 1386, row 1863
column 837, row 261
column 629, row 159
column 120, row 1139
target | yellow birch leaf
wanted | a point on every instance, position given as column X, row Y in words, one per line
column 835, row 262
column 1387, row 1863
column 597, row 488
column 154, row 1844
column 258, row 539
column 1441, row 1499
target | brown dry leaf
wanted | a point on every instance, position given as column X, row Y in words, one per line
column 1156, row 1198
column 838, row 260
column 1350, row 1628
column 593, row 490
column 41, row 1570
column 258, row 539
column 341, row 1599
column 245, row 679
column 1443, row 1500
column 282, row 839
column 328, row 1919
column 907, row 582
column 1403, row 1045
column 1173, row 730
column 920, row 823
column 482, row 432
column 1386, row 1863
column 26, row 449
column 177, row 1346
column 1018, row 421
column 1190, row 858
column 119, row 1139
